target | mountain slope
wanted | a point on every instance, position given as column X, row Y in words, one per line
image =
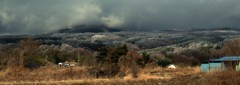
column 88, row 28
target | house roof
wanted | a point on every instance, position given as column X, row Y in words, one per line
column 228, row 58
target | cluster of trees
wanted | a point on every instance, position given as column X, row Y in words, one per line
column 32, row 54
column 230, row 48
column 194, row 57
column 108, row 61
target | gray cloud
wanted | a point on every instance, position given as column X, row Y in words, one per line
column 39, row 16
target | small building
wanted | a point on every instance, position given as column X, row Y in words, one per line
column 222, row 64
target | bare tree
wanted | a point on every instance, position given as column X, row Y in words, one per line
column 232, row 48
column 27, row 49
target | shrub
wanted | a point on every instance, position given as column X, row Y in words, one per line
column 27, row 52
column 111, row 54
column 134, row 70
column 108, row 58
column 102, row 53
column 118, row 52
column 144, row 60
column 232, row 47
column 56, row 56
column 104, row 70
column 201, row 56
column 164, row 62
column 184, row 60
column 130, row 63
column 35, row 62
column 60, row 58
column 84, row 57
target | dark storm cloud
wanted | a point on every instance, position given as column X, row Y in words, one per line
column 37, row 16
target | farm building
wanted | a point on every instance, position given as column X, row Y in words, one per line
column 222, row 64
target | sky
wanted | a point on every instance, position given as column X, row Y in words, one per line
column 44, row 16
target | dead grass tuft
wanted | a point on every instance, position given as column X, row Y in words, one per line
column 222, row 78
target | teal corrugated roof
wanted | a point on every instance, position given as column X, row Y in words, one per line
column 228, row 58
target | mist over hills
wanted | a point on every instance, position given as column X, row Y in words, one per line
column 88, row 28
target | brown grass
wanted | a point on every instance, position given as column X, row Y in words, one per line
column 213, row 78
column 222, row 78
column 95, row 82
column 43, row 74
column 146, row 76
column 75, row 75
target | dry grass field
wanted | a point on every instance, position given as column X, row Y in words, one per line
column 79, row 75
column 146, row 76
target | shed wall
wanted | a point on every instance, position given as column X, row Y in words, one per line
column 213, row 66
column 205, row 67
column 238, row 67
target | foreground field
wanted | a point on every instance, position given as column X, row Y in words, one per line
column 148, row 76
column 98, row 82
column 56, row 75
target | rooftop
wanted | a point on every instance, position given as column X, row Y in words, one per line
column 228, row 58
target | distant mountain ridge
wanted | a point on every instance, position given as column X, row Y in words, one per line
column 88, row 28
column 95, row 36
column 223, row 28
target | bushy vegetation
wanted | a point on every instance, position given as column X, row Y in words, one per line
column 30, row 53
column 110, row 61
column 230, row 48
column 111, row 54
column 107, row 60
column 164, row 62
column 190, row 57
column 144, row 60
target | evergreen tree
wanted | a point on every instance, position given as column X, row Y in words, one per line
column 111, row 54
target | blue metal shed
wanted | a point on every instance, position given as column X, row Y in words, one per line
column 221, row 64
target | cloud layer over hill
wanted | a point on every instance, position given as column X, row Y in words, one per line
column 39, row 16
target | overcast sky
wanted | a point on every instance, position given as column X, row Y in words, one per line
column 41, row 16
